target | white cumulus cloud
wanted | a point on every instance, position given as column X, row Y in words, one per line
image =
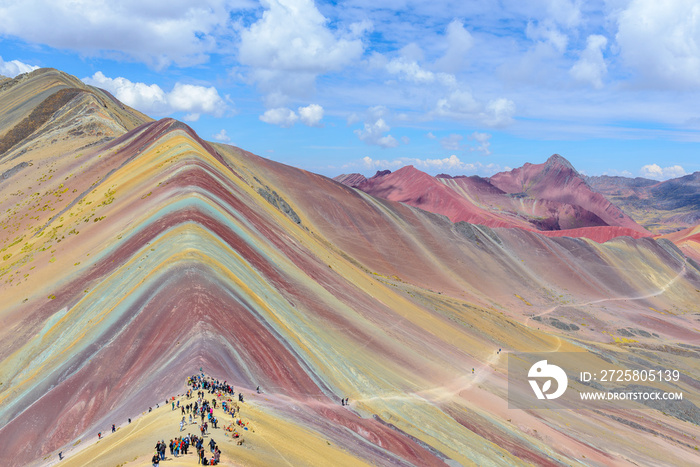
column 591, row 67
column 14, row 68
column 547, row 33
column 281, row 116
column 661, row 41
column 310, row 115
column 373, row 133
column 153, row 100
column 411, row 71
column 291, row 44
column 461, row 105
column 375, row 127
column 459, row 42
column 183, row 32
column 498, row 112
column 657, row 172
column 196, row 100
column 222, row 136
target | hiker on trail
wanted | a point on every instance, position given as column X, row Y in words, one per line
column 113, row 429
column 155, row 460
column 99, row 435
column 190, row 419
column 173, row 405
column 342, row 401
column 60, row 455
column 129, row 421
column 162, row 449
column 258, row 389
column 172, row 447
column 346, row 401
column 182, row 423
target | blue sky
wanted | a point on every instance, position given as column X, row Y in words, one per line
column 459, row 87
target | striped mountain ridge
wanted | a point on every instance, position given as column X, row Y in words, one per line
column 131, row 260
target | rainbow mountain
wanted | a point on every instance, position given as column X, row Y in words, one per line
column 134, row 253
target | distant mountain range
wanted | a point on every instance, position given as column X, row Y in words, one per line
column 661, row 207
column 552, row 198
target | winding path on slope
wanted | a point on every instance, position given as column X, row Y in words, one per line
column 462, row 383
column 662, row 290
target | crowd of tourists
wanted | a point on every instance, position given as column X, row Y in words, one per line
column 202, row 397
column 181, row 446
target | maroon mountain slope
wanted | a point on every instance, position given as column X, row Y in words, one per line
column 418, row 189
column 551, row 198
column 541, row 214
column 557, row 180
